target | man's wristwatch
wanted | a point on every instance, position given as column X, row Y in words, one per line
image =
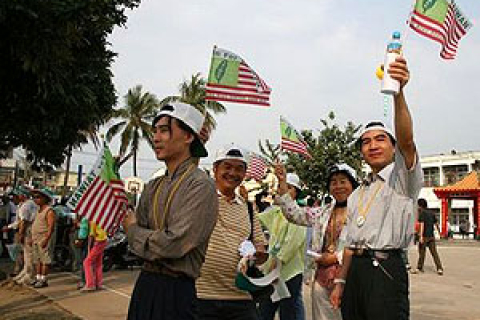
column 339, row 280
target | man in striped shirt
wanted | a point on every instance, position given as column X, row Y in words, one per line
column 218, row 297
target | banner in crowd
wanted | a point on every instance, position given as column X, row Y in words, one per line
column 291, row 139
column 101, row 196
column 231, row 79
column 441, row 21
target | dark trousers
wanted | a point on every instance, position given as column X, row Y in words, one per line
column 158, row 296
column 290, row 308
column 422, row 248
column 370, row 294
column 226, row 309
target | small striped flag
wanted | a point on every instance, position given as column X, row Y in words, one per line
column 441, row 21
column 231, row 79
column 256, row 167
column 101, row 197
column 292, row 140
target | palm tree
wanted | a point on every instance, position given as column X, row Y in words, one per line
column 193, row 93
column 139, row 108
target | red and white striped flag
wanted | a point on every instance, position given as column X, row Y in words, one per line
column 256, row 167
column 441, row 21
column 101, row 197
column 292, row 140
column 231, row 79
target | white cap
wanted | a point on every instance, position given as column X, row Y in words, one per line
column 293, row 180
column 231, row 152
column 189, row 115
column 376, row 125
column 343, row 167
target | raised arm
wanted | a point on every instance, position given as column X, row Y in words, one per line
column 398, row 70
column 290, row 209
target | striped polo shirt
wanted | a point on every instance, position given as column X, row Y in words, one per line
column 217, row 276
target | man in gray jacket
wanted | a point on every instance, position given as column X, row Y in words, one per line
column 174, row 220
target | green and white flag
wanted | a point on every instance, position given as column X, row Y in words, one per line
column 291, row 139
column 231, row 79
column 101, row 196
column 441, row 21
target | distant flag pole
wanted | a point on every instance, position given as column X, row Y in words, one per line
column 407, row 26
column 292, row 140
column 101, row 197
column 231, row 79
column 441, row 21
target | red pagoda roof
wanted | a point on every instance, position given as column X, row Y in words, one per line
column 468, row 184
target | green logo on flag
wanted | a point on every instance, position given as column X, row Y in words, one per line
column 220, row 71
column 224, row 71
column 428, row 4
column 288, row 132
column 434, row 9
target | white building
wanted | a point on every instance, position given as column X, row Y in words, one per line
column 447, row 169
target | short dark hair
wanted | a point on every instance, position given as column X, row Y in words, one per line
column 422, row 203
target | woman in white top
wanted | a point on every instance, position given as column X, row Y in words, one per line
column 327, row 223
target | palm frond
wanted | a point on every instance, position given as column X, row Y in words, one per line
column 114, row 130
column 126, row 139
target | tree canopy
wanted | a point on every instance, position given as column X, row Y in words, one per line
column 55, row 77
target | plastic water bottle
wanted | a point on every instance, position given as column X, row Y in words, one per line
column 394, row 49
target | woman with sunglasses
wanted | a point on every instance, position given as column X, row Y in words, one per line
column 327, row 223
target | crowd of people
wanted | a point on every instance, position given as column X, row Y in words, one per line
column 29, row 235
column 204, row 243
column 200, row 241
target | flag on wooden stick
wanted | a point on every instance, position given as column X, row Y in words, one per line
column 292, row 140
column 441, row 21
column 256, row 167
column 101, row 197
column 231, row 79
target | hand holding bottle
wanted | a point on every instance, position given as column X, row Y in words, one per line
column 394, row 50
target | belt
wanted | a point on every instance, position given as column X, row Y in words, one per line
column 161, row 269
column 376, row 254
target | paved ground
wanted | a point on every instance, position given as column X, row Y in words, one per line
column 456, row 295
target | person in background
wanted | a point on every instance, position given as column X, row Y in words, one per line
column 286, row 246
column 4, row 214
column 26, row 212
column 464, row 228
column 81, row 233
column 428, row 221
column 327, row 224
column 43, row 240
column 93, row 263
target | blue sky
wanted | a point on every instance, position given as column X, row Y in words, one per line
column 317, row 55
